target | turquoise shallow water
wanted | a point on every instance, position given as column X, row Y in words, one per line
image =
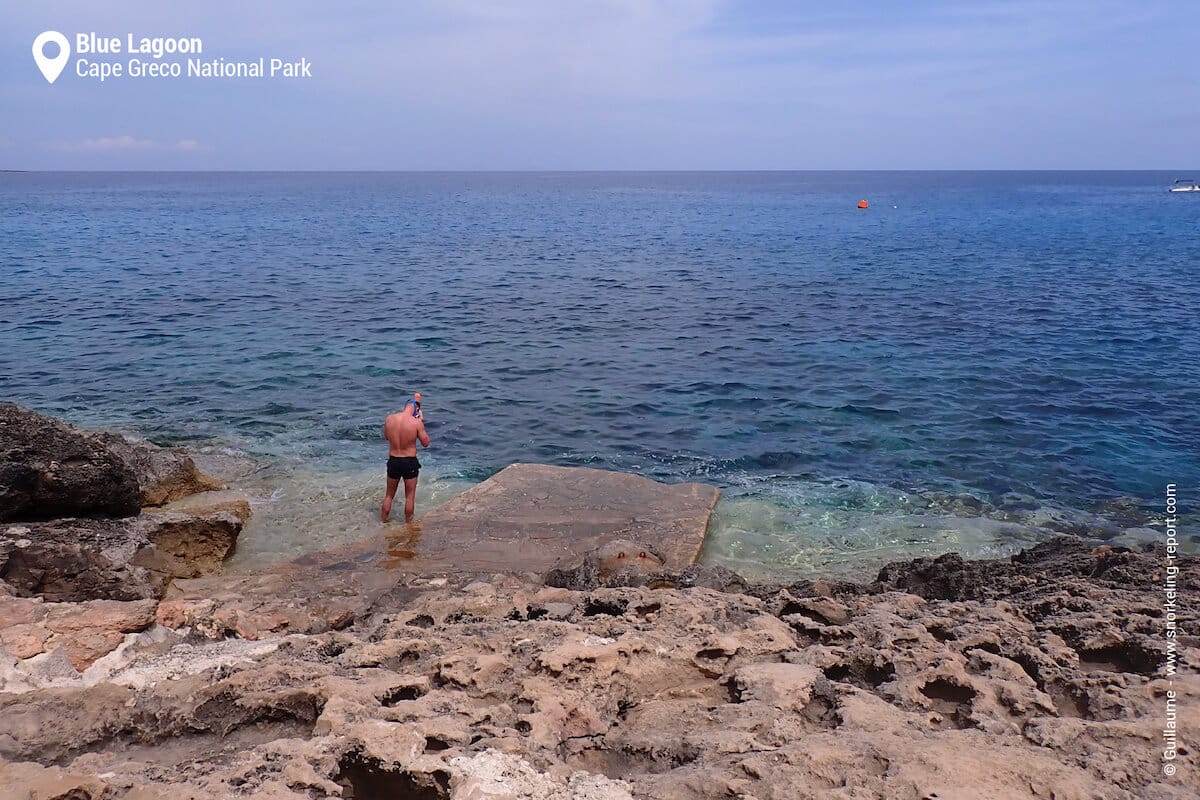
column 1025, row 339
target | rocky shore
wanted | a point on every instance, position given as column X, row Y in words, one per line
column 132, row 668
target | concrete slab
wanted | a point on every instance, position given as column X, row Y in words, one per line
column 528, row 516
column 522, row 520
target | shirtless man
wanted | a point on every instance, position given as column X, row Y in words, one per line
column 403, row 430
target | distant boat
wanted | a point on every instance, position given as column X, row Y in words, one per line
column 1185, row 185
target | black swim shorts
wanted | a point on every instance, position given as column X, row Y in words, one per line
column 405, row 467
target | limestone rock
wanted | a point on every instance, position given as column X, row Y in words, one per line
column 593, row 569
column 785, row 686
column 626, row 563
column 20, row 610
column 163, row 474
column 24, row 641
column 51, row 469
column 84, row 632
column 527, row 517
column 29, row 781
column 191, row 538
column 210, row 502
column 77, row 559
column 84, row 647
column 118, row 559
column 1036, row 678
column 123, row 617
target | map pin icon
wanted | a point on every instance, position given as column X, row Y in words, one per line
column 51, row 67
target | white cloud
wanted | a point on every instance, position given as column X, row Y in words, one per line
column 652, row 83
column 114, row 143
column 126, row 143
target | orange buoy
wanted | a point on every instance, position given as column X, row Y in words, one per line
column 863, row 204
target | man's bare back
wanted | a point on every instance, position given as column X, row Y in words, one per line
column 402, row 431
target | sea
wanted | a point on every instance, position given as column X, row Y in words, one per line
column 976, row 361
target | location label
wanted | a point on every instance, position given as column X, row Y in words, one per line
column 51, row 67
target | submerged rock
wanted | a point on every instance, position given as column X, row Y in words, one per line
column 50, row 469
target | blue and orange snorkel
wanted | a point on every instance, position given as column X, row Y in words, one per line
column 415, row 403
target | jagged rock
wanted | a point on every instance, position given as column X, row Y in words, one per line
column 51, row 469
column 493, row 775
column 695, row 576
column 83, row 631
column 1037, row 682
column 1063, row 558
column 20, row 611
column 77, row 559
column 117, row 559
column 625, row 563
column 191, row 539
column 24, row 641
column 69, row 485
column 582, row 573
column 163, row 475
column 781, row 685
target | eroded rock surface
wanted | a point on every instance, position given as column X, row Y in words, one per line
column 72, row 497
column 118, row 559
column 1035, row 679
column 77, row 559
column 163, row 474
column 50, row 469
column 528, row 517
column 623, row 562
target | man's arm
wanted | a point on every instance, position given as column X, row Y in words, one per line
column 422, row 435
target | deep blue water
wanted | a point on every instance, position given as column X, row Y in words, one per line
column 1010, row 335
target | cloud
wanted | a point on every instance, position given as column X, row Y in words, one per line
column 126, row 143
column 634, row 84
column 115, row 143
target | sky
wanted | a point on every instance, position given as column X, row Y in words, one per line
column 619, row 85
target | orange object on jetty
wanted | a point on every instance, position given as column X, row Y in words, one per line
column 863, row 204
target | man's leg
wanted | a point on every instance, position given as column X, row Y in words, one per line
column 410, row 497
column 392, row 485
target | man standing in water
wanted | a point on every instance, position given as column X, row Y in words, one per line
column 403, row 430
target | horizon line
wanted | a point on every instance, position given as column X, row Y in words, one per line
column 579, row 171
